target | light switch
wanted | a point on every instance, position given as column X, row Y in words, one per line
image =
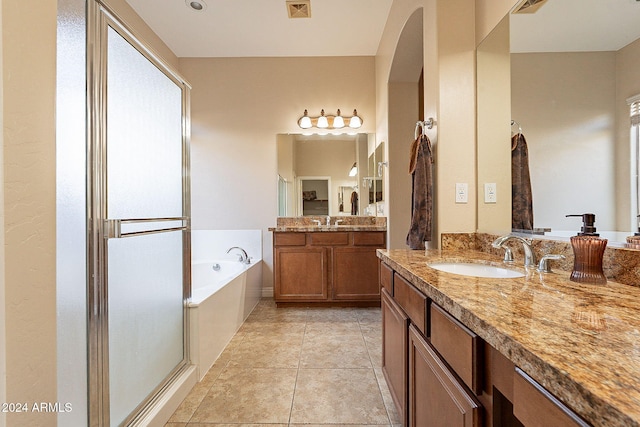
column 462, row 192
column 490, row 195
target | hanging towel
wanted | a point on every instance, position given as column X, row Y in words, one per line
column 522, row 198
column 354, row 203
column 421, row 170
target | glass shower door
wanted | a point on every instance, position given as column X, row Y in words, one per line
column 145, row 216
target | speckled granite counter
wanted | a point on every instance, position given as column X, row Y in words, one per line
column 581, row 342
column 346, row 223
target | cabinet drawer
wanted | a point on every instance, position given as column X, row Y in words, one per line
column 386, row 277
column 534, row 406
column 459, row 346
column 289, row 239
column 370, row 238
column 328, row 239
column 412, row 301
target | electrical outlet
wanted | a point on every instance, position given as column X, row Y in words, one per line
column 462, row 192
column 490, row 195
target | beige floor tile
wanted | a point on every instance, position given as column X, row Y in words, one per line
column 234, row 425
column 170, row 424
column 186, row 409
column 333, row 328
column 334, row 351
column 338, row 396
column 268, row 351
column 331, row 314
column 370, row 315
column 337, row 425
column 253, row 395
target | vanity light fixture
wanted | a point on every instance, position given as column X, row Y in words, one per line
column 329, row 121
column 354, row 170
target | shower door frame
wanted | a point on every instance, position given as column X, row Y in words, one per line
column 99, row 229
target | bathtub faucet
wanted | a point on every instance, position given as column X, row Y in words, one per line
column 242, row 256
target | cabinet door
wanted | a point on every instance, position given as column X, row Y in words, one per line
column 394, row 352
column 355, row 274
column 436, row 396
column 300, row 274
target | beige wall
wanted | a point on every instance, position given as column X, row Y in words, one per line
column 27, row 200
column 448, row 45
column 29, row 36
column 628, row 85
column 565, row 103
column 238, row 107
column 494, row 116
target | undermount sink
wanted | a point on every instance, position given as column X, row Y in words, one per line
column 476, row 270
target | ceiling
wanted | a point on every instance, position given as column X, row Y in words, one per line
column 254, row 28
column 576, row 25
column 262, row 28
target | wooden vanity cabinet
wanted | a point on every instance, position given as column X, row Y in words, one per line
column 327, row 267
column 441, row 373
column 395, row 327
column 425, row 389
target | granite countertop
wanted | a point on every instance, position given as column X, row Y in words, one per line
column 347, row 223
column 324, row 228
column 580, row 341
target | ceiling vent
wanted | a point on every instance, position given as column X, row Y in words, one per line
column 529, row 6
column 299, row 8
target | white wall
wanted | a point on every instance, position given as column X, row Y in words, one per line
column 238, row 107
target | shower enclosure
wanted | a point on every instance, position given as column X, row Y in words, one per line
column 137, row 226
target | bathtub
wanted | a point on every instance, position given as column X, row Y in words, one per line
column 220, row 302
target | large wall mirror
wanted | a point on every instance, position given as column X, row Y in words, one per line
column 328, row 174
column 572, row 65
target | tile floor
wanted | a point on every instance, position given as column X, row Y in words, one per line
column 288, row 366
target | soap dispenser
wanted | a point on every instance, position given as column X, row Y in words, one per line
column 634, row 241
column 588, row 250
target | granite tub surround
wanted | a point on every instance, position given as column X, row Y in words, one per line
column 347, row 223
column 620, row 264
column 581, row 342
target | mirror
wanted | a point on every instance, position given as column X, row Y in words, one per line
column 316, row 175
column 570, row 79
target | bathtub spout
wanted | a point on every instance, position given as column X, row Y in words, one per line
column 242, row 256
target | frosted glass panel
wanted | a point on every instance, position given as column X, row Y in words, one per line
column 145, row 317
column 144, row 134
column 71, row 227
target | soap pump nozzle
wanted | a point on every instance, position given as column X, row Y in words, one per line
column 588, row 227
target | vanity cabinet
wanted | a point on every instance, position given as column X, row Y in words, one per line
column 440, row 373
column 327, row 267
column 425, row 388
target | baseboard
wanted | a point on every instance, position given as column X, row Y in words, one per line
column 267, row 292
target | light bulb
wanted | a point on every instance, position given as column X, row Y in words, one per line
column 305, row 121
column 355, row 121
column 338, row 121
column 322, row 121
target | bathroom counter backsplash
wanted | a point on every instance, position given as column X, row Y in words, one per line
column 346, row 223
column 621, row 265
column 579, row 341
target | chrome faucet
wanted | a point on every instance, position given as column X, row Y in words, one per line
column 328, row 220
column 338, row 221
column 242, row 256
column 543, row 267
column 529, row 256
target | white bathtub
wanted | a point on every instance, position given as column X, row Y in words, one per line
column 220, row 302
